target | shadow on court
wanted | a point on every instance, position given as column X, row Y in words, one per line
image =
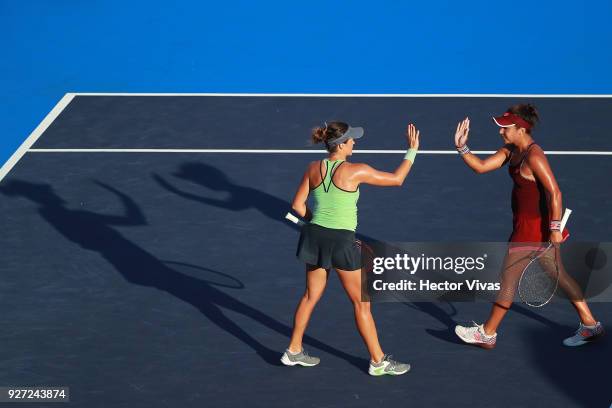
column 94, row 232
column 240, row 197
column 439, row 313
column 581, row 373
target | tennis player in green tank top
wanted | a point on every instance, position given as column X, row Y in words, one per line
column 328, row 240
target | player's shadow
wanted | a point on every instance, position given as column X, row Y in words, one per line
column 93, row 231
column 580, row 373
column 240, row 197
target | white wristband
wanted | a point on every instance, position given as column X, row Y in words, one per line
column 463, row 149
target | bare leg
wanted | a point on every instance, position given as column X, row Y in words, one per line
column 513, row 267
column 316, row 280
column 351, row 280
column 574, row 294
column 586, row 317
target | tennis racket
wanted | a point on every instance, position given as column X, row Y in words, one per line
column 540, row 278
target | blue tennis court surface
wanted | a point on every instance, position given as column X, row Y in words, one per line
column 153, row 279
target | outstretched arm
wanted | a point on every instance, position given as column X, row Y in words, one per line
column 369, row 175
column 133, row 215
column 492, row 162
column 542, row 172
column 229, row 203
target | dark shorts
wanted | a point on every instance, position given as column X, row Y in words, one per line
column 329, row 248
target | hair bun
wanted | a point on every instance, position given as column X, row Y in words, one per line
column 318, row 135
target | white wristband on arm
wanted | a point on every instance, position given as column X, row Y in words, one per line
column 463, row 149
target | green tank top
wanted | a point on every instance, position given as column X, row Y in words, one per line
column 333, row 207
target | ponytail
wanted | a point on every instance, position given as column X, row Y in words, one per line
column 331, row 131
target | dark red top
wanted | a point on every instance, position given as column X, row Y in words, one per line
column 530, row 214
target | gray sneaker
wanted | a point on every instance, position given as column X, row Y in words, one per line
column 302, row 358
column 388, row 367
column 584, row 335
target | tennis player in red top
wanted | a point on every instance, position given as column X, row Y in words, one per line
column 536, row 208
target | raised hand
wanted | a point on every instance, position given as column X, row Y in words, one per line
column 461, row 134
column 412, row 134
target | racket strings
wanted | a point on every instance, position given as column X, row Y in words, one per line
column 540, row 279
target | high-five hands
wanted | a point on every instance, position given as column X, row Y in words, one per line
column 412, row 134
column 461, row 135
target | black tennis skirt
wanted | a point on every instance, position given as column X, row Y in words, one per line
column 329, row 248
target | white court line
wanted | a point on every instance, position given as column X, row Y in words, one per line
column 59, row 107
column 296, row 151
column 40, row 129
column 344, row 95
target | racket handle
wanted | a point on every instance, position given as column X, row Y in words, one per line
column 294, row 219
column 566, row 215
